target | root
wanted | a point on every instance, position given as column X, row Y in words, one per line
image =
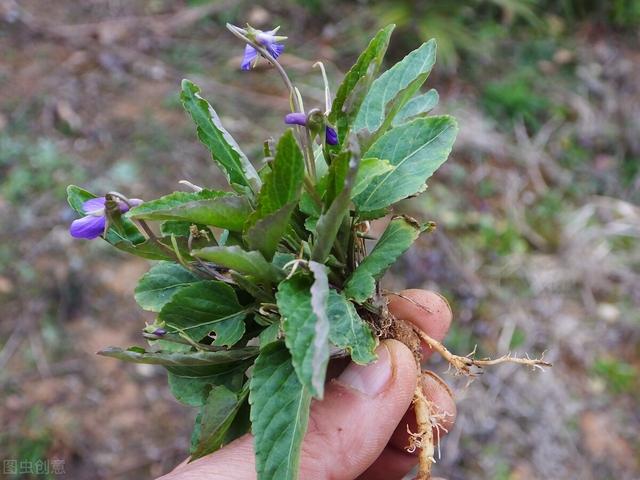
column 423, row 438
column 430, row 421
column 463, row 365
column 427, row 418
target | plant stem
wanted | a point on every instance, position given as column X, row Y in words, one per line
column 310, row 187
column 304, row 140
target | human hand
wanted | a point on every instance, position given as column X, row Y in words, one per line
column 359, row 430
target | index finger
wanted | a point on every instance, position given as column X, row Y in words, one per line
column 427, row 310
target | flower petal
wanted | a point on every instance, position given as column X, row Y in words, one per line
column 295, row 119
column 331, row 136
column 250, row 54
column 88, row 227
column 265, row 38
column 275, row 49
column 93, row 205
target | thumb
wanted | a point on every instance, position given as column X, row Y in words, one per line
column 347, row 431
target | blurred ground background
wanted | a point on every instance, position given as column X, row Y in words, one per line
column 537, row 246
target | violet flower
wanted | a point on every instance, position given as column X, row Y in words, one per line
column 331, row 136
column 298, row 118
column 92, row 225
column 268, row 40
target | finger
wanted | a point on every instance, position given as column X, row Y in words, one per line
column 395, row 461
column 392, row 464
column 347, row 431
column 426, row 310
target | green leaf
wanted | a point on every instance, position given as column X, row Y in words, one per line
column 279, row 414
column 311, row 209
column 370, row 168
column 418, row 106
column 76, row 196
column 283, row 184
column 302, row 302
column 200, row 308
column 189, row 391
column 207, row 207
column 179, row 359
column 277, row 199
column 228, row 332
column 280, row 259
column 416, row 150
column 216, row 417
column 356, row 82
column 396, row 239
column 224, row 149
column 235, row 258
column 269, row 335
column 265, row 234
column 403, row 79
column 330, row 221
column 335, row 178
column 192, row 390
column 374, row 214
column 349, row 331
column 241, row 424
column 152, row 249
column 320, row 345
column 160, row 283
column 183, row 229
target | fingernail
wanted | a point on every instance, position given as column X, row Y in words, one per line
column 446, row 302
column 369, row 379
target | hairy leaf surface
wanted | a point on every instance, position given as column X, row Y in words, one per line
column 242, row 261
column 418, row 106
column 203, row 358
column 278, row 198
column 207, row 207
column 349, row 331
column 223, row 148
column 279, row 414
column 416, row 150
column 202, row 307
column 374, row 112
column 283, row 183
column 356, row 82
column 160, row 283
column 266, row 233
column 217, row 414
column 190, row 389
column 302, row 302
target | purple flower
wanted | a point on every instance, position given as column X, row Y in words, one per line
column 269, row 41
column 92, row 225
column 296, row 119
column 159, row 332
column 331, row 136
